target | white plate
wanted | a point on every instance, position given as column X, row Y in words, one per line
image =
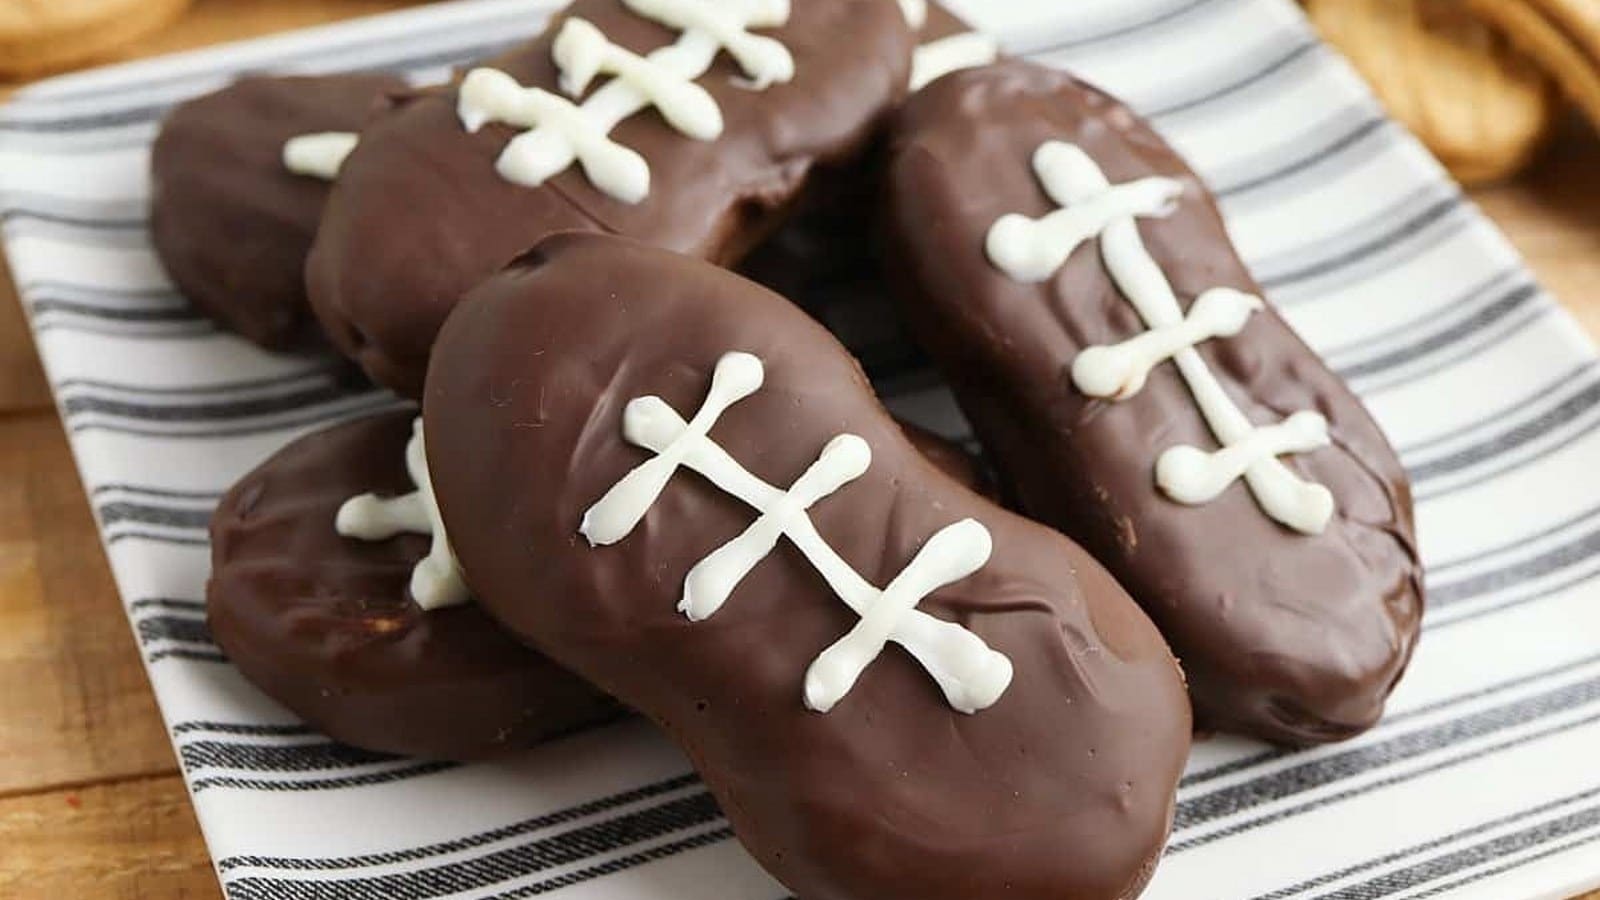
column 1480, row 783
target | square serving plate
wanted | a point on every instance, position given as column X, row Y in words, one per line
column 1481, row 782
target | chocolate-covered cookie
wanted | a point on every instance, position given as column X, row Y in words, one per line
column 231, row 223
column 893, row 687
column 1075, row 283
column 828, row 255
column 326, row 624
column 700, row 144
column 951, row 458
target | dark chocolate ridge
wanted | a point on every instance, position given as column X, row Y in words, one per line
column 1293, row 638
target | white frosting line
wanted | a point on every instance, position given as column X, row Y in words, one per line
column 561, row 132
column 916, row 13
column 950, row 54
column 436, row 580
column 970, row 674
column 1191, row 475
column 711, row 581
column 1119, row 371
column 318, row 155
column 582, row 52
column 1021, row 247
column 765, row 60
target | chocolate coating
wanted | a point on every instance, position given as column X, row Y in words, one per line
column 420, row 214
column 325, row 624
column 828, row 256
column 1289, row 637
column 1062, row 789
column 951, row 458
column 232, row 225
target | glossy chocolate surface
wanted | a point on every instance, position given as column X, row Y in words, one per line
column 420, row 214
column 1062, row 789
column 1290, row 637
column 325, row 624
column 232, row 225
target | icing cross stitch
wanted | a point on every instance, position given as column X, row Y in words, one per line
column 1031, row 250
column 436, row 580
column 562, row 131
column 970, row 674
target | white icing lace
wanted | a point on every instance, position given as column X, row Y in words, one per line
column 1031, row 250
column 561, row 131
column 971, row 675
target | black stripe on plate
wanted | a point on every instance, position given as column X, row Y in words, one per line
column 623, row 863
column 119, row 487
column 1493, row 336
column 171, row 603
column 413, row 854
column 1478, row 556
column 329, row 371
column 1400, row 778
column 342, row 782
column 13, row 215
column 144, row 114
column 1571, row 409
column 83, row 402
column 1336, row 147
column 1436, row 843
column 1508, row 866
column 1342, row 764
column 1390, row 720
column 1057, row 43
column 156, row 538
column 1428, row 320
column 99, row 293
column 254, row 729
column 206, row 656
column 1568, row 419
column 1407, row 229
column 200, row 329
column 1561, row 556
column 1498, row 308
column 1511, row 408
column 1446, row 864
column 139, row 315
column 122, row 511
column 320, row 756
column 174, row 629
column 331, row 414
column 499, row 866
column 1501, row 605
column 1588, row 427
column 1274, row 65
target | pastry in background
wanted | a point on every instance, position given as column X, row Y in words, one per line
column 1562, row 36
column 1479, row 104
column 39, row 36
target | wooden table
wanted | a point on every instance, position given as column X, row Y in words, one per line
column 91, row 802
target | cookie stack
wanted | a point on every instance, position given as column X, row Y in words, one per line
column 640, row 481
column 1481, row 82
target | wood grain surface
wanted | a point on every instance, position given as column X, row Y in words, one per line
column 91, row 803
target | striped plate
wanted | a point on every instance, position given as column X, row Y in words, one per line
column 1481, row 782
